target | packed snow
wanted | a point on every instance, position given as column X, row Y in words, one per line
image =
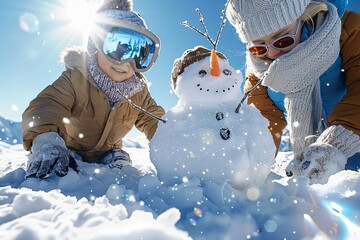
column 159, row 199
column 104, row 203
column 204, row 137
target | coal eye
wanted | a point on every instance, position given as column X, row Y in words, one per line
column 227, row 72
column 202, row 73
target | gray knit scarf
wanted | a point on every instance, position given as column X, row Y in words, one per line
column 296, row 74
column 113, row 90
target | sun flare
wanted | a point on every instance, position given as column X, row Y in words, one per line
column 81, row 15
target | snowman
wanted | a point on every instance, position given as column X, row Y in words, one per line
column 203, row 136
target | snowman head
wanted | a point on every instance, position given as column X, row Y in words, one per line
column 197, row 80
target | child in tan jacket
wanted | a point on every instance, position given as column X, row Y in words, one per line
column 97, row 100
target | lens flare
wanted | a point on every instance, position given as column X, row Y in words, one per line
column 313, row 230
column 352, row 230
column 29, row 23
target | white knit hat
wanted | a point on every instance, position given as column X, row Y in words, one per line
column 254, row 19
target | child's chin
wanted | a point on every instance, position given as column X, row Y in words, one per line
column 119, row 77
column 118, row 80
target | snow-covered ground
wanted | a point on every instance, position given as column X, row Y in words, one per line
column 211, row 181
column 103, row 203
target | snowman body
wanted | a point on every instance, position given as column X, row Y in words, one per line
column 204, row 137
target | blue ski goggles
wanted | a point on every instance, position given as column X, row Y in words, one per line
column 122, row 42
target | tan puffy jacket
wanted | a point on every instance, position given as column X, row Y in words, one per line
column 80, row 112
column 347, row 111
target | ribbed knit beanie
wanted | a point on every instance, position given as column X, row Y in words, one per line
column 254, row 19
column 120, row 10
column 189, row 57
column 116, row 10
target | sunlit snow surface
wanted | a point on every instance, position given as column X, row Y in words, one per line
column 193, row 195
column 100, row 203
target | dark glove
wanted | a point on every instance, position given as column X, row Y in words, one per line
column 47, row 157
column 116, row 158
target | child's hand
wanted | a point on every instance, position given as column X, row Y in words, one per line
column 49, row 152
column 326, row 156
column 116, row 158
column 317, row 162
column 48, row 158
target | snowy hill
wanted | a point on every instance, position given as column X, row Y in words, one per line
column 10, row 131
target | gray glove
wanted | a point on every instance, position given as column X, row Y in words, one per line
column 328, row 155
column 317, row 162
column 49, row 152
column 116, row 158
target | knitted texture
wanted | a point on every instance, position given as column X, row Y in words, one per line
column 113, row 90
column 343, row 139
column 297, row 73
column 110, row 16
column 189, row 57
column 110, row 12
column 120, row 10
column 254, row 19
column 124, row 5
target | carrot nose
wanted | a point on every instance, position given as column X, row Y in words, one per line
column 214, row 64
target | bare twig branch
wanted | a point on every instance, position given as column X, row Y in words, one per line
column 206, row 32
column 249, row 92
column 186, row 24
column 204, row 26
column 221, row 25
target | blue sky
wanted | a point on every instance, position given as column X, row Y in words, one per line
column 31, row 59
column 30, row 52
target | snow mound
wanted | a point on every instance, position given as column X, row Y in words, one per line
column 103, row 203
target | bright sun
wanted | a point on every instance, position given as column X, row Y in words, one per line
column 80, row 14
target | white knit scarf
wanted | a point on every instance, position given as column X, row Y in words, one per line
column 113, row 90
column 296, row 74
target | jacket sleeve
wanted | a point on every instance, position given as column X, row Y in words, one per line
column 144, row 122
column 347, row 111
column 49, row 111
column 259, row 97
